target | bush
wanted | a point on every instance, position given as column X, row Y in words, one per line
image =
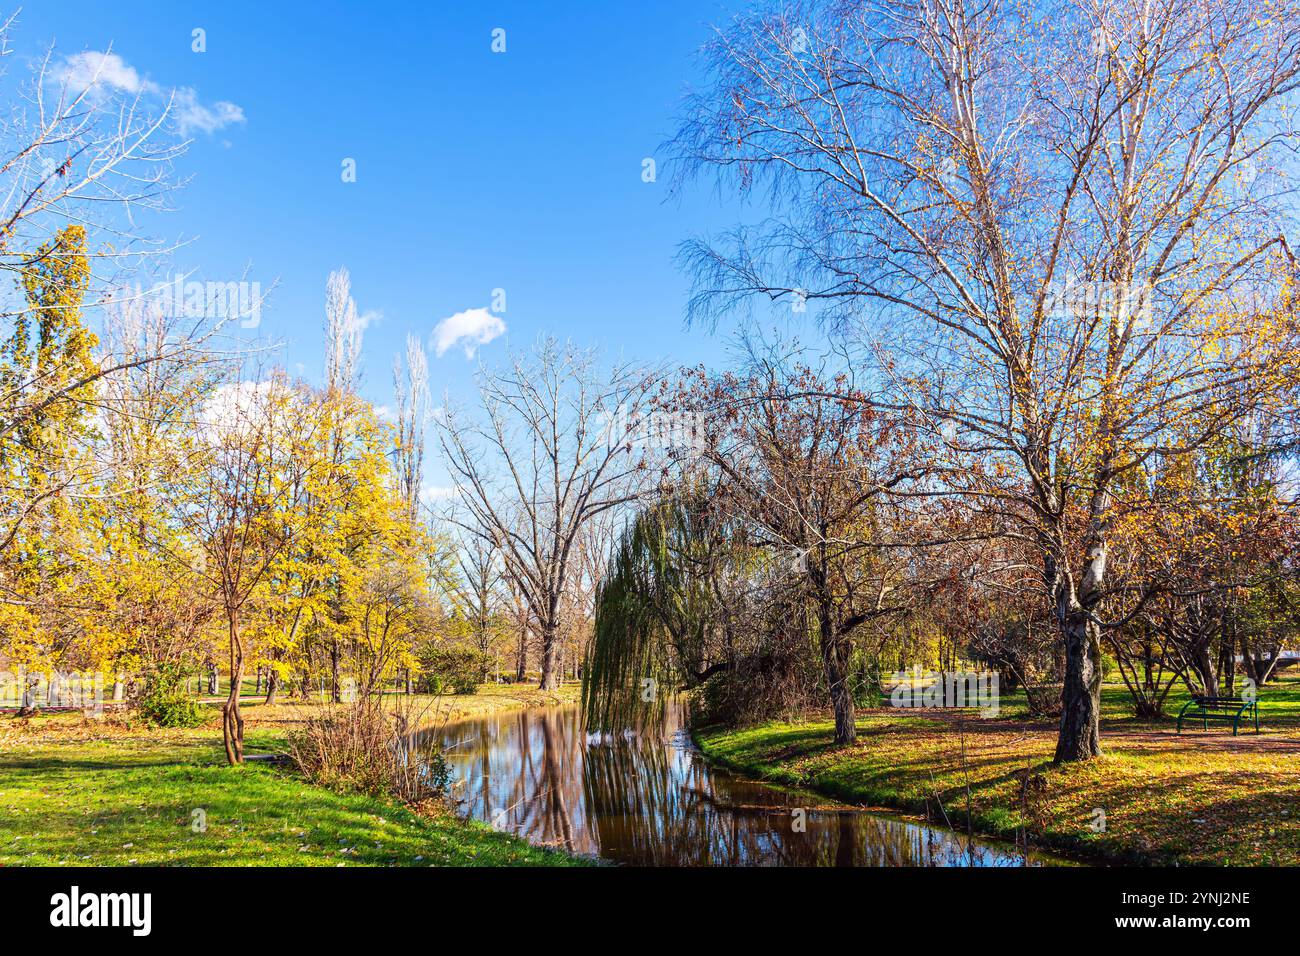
column 1044, row 699
column 778, row 683
column 163, row 701
column 453, row 670
column 866, row 684
column 362, row 748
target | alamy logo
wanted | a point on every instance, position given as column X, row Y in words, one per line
column 102, row 909
column 180, row 298
column 946, row 689
column 57, row 689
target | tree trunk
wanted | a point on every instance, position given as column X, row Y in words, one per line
column 232, row 722
column 1080, row 734
column 550, row 662
column 846, row 730
column 212, row 680
column 304, row 673
column 1248, row 663
column 272, row 684
column 1228, row 665
column 119, row 688
column 521, row 659
column 336, row 692
column 1204, row 668
column 27, row 706
column 836, row 654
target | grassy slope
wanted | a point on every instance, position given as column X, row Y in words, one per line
column 84, row 792
column 1198, row 799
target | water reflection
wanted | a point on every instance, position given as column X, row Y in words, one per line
column 649, row 798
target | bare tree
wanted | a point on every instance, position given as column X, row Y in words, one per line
column 411, row 384
column 1064, row 221
column 343, row 333
column 557, row 451
column 522, row 618
column 809, row 467
column 76, row 148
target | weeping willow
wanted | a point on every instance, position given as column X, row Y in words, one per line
column 657, row 614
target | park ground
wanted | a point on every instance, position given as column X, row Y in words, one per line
column 111, row 791
column 1154, row 797
column 108, row 791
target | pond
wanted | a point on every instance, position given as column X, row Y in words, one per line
column 650, row 799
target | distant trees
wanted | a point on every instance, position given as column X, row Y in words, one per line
column 168, row 506
column 89, row 411
column 478, row 590
column 991, row 602
column 556, row 447
column 411, row 386
column 1061, row 226
column 1214, row 552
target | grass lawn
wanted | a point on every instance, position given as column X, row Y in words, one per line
column 1199, row 798
column 78, row 791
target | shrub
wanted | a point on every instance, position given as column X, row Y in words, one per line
column 779, row 682
column 1044, row 699
column 453, row 670
column 866, row 684
column 362, row 748
column 163, row 701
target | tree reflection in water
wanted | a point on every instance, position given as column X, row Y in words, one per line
column 647, row 797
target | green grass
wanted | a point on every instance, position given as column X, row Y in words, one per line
column 130, row 800
column 1196, row 799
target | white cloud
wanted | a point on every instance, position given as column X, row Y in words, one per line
column 469, row 329
column 81, row 71
column 431, row 493
column 369, row 318
column 235, row 399
column 193, row 116
column 103, row 72
column 230, row 409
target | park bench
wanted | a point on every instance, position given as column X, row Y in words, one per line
column 1220, row 708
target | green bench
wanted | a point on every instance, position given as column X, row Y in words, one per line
column 1220, row 708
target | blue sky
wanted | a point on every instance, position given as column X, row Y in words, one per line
column 474, row 170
